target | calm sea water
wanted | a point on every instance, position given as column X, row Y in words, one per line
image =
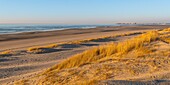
column 8, row 29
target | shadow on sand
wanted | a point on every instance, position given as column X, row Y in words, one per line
column 124, row 82
column 90, row 44
column 70, row 46
column 51, row 50
column 105, row 40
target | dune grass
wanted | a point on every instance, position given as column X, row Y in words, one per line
column 103, row 37
column 167, row 29
column 123, row 60
column 165, row 35
column 111, row 61
column 7, row 52
column 40, row 49
column 97, row 53
column 165, row 39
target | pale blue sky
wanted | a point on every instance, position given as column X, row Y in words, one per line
column 84, row 11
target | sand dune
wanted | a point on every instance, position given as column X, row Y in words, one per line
column 26, row 65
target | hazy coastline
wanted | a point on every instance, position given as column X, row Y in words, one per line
column 17, row 28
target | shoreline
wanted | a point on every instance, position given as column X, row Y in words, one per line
column 93, row 27
column 67, row 29
column 54, row 30
column 45, row 30
column 46, row 27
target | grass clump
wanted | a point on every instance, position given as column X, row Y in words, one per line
column 35, row 49
column 165, row 36
column 164, row 39
column 100, row 38
column 97, row 53
column 167, row 29
column 5, row 53
column 40, row 49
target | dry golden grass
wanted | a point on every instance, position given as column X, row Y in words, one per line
column 167, row 40
column 104, row 37
column 167, row 29
column 35, row 49
column 165, row 35
column 40, row 49
column 97, row 53
column 131, row 59
column 7, row 52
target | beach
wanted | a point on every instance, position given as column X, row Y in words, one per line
column 25, row 65
column 28, row 39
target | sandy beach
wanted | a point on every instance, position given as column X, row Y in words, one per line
column 28, row 39
column 84, row 42
column 25, row 65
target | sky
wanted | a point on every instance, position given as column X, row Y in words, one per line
column 83, row 11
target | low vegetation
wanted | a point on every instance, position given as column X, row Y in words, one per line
column 100, row 52
column 6, row 53
column 166, row 30
column 43, row 49
column 40, row 49
column 140, row 58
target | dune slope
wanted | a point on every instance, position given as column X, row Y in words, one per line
column 142, row 59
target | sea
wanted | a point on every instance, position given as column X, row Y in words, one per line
column 19, row 28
